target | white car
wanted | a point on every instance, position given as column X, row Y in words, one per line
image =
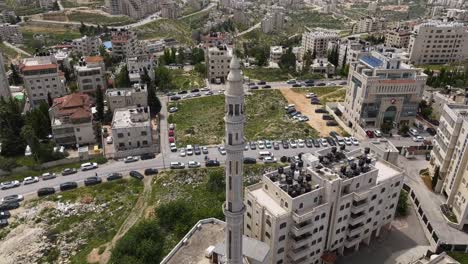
column 418, row 139
column 293, row 143
column 173, row 147
column 413, row 132
column 348, row 141
column 268, row 144
column 324, row 142
column 193, row 164
column 309, row 95
column 89, row 166
column 261, row 144
column 9, row 185
column 269, row 159
column 109, row 140
column 130, row 159
column 30, row 180
column 354, row 141
column 182, row 152
column 171, row 126
column 12, row 198
column 222, row 150
column 189, row 150
column 173, row 109
column 48, row 176
column 377, row 133
column 289, row 106
column 177, row 165
column 300, row 143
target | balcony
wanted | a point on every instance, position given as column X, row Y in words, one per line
column 299, row 261
column 359, row 206
column 302, row 228
column 361, row 196
column 295, row 244
column 351, row 241
column 297, row 254
column 355, row 230
column 357, row 218
column 299, row 215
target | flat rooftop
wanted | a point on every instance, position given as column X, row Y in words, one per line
column 262, row 197
column 131, row 117
column 386, row 171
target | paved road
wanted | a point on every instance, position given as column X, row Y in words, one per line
column 249, row 29
column 16, row 48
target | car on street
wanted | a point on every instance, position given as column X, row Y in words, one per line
column 68, row 186
column 222, row 150
column 324, row 142
column 321, row 84
column 5, row 214
column 175, row 98
column 354, row 141
column 13, row 198
column 177, row 165
column 114, row 176
column 45, row 191
column 249, row 160
column 182, row 152
column 92, row 181
column 261, row 83
column 89, row 166
column 30, row 180
column 418, row 139
column 147, row 156
column 370, row 134
column 413, row 132
column 171, row 139
column 137, row 175
column 266, row 86
column 173, row 147
column 377, row 133
column 196, row 90
column 291, row 82
column 171, row 133
column 151, row 171
column 193, row 164
column 204, row 89
column 69, row 171
column 246, row 147
column 9, row 184
column 7, row 206
column 253, row 87
column 212, row 163
column 269, row 159
column 320, row 111
column 343, row 83
column 183, row 92
column 48, row 176
column 130, row 159
column 173, row 109
column 204, row 150
column 431, row 131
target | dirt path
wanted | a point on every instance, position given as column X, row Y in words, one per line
column 138, row 211
column 303, row 105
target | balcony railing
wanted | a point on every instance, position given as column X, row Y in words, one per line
column 355, row 230
column 357, row 218
column 359, row 207
column 303, row 228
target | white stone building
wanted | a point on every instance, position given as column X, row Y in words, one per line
column 274, row 20
column 349, row 50
column 398, row 38
column 135, row 9
column 125, row 97
column 11, row 33
column 382, row 89
column 322, row 205
column 71, row 120
column 170, row 9
column 137, row 65
column 318, row 41
column 437, row 42
column 89, row 72
column 41, row 77
column 438, row 99
column 275, row 53
column 125, row 43
column 450, row 155
column 4, row 85
column 369, row 24
column 322, row 66
column 86, row 46
column 218, row 59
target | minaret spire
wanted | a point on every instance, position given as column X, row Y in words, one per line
column 234, row 143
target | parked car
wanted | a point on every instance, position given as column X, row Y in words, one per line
column 321, row 84
column 269, row 159
column 69, row 171
column 333, row 134
column 147, row 156
column 195, row 90
column 189, row 150
column 222, row 150
column 370, row 134
column 285, row 144
column 197, row 150
column 3, row 223
column 315, row 101
column 296, row 85
column 413, row 132
column 428, row 156
column 193, row 164
column 291, row 82
column 92, row 181
column 321, row 111
column 151, row 171
column 173, row 147
column 418, row 139
column 9, row 184
column 340, row 141
column 289, row 106
column 276, row 145
column 248, row 160
column 7, row 206
column 171, row 126
column 354, row 141
column 48, row 176
column 177, row 165
column 68, row 186
column 330, row 141
column 261, row 144
column 212, row 163
column 348, row 141
column 266, row 86
column 204, row 150
column 137, row 175
column 431, row 131
column 308, row 143
column 175, row 98
column 300, row 143
column 261, row 83
column 331, row 123
column 316, row 142
column 13, row 198
column 114, row 176
column 293, row 143
column 45, row 191
column 30, row 180
column 253, row 87
column 173, row 109
column 324, row 142
column 5, row 214
column 130, row 159
column 268, row 144
column 89, row 166
column 183, row 92
column 377, row 133
column 327, row 117
column 182, row 152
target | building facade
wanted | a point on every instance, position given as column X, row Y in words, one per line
column 275, row 53
column 125, row 43
column 138, row 65
column 42, row 78
column 349, row 50
column 86, row 46
column 382, row 89
column 89, row 73
column 398, row 38
column 4, row 85
column 135, row 9
column 317, row 41
column 218, row 60
column 71, row 120
column 450, row 155
column 274, row 20
column 11, row 33
column 369, row 24
column 438, row 42
column 320, row 207
column 122, row 98
column 170, row 9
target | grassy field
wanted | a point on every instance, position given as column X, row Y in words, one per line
column 8, row 53
column 460, row 257
column 311, row 18
column 53, row 35
column 187, row 80
column 166, row 28
column 265, row 119
column 197, row 21
column 71, row 4
column 319, row 91
column 266, row 74
column 100, row 19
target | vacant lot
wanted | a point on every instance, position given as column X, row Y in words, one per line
column 9, row 53
column 266, row 74
column 185, row 80
column 98, row 19
column 166, row 28
column 200, row 121
column 47, row 36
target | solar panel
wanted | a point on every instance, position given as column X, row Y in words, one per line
column 371, row 61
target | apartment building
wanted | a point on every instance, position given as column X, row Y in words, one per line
column 438, row 99
column 382, row 89
column 124, row 97
column 7, row 16
column 218, row 59
column 437, row 42
column 214, row 39
column 274, row 20
column 125, row 43
column 398, row 38
column 137, row 65
column 4, row 85
column 71, row 120
column 89, row 73
column 318, row 41
column 275, row 53
column 131, row 131
column 349, row 50
column 322, row 205
column 42, row 77
column 450, row 155
column 135, row 9
column 369, row 24
column 86, row 46
column 11, row 33
column 170, row 9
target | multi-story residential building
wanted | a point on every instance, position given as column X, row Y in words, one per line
column 317, row 41
column 154, row 46
column 322, row 205
column 42, row 78
column 398, row 38
column 7, row 16
column 215, row 39
column 86, row 46
column 137, row 66
column 382, row 89
column 122, row 97
column 135, row 9
column 11, row 33
column 46, row 4
column 89, row 73
column 369, row 24
column 131, row 131
column 4, row 85
column 125, row 43
column 349, row 50
column 322, row 66
column 71, row 120
column 218, row 59
column 450, row 155
column 275, row 53
column 438, row 42
column 274, row 20
column 170, row 9
column 438, row 99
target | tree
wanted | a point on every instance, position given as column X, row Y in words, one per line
column 307, row 61
column 106, row 56
column 215, row 181
column 402, row 206
column 50, row 101
column 404, row 130
column 180, row 59
column 344, row 62
column 38, row 119
column 153, row 101
column 11, row 123
column 15, row 77
column 345, row 70
column 99, row 104
column 55, row 6
column 201, row 69
column 122, row 80
column 435, row 178
column 288, row 61
column 386, row 127
column 163, row 78
column 425, row 109
column 198, row 56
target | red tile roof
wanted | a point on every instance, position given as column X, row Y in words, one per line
column 76, row 106
column 39, row 67
column 93, row 59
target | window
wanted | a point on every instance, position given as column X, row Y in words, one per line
column 339, row 220
column 380, row 201
column 143, row 133
column 342, row 208
column 267, row 234
column 268, row 222
column 323, row 215
column 249, row 202
column 281, row 238
column 279, row 261
column 348, row 205
column 383, row 190
column 369, row 220
column 282, row 225
column 371, row 209
column 319, row 240
column 249, row 215
column 337, row 231
column 281, row 250
column 374, row 197
column 248, row 226
column 77, row 129
column 377, row 213
column 317, row 218
column 120, row 135
column 321, row 228
column 397, row 184
column 286, row 204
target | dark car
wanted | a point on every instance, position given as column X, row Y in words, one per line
column 331, row 123
column 321, row 84
column 45, row 191
column 3, row 223
column 212, row 163
column 276, row 145
column 147, row 156
column 330, row 141
column 69, row 171
column 114, row 176
column 285, row 144
column 196, row 150
column 261, row 83
column 308, row 143
column 92, row 181
column 137, row 175
column 254, row 87
column 315, row 101
column 309, row 81
column 431, row 131
column 248, row 160
column 151, row 171
column 183, row 92
column 252, row 145
column 320, row 111
column 175, row 98
column 195, row 90
column 5, row 214
column 309, row 84
column 370, row 134
column 266, row 86
column 9, row 206
column 291, row 110
column 296, row 85
column 327, row 117
column 171, row 93
column 316, row 143
column 334, row 134
column 68, row 186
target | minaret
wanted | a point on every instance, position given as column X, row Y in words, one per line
column 234, row 144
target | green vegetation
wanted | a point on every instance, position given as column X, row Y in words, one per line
column 184, row 80
column 27, row 10
column 402, row 206
column 267, row 74
column 453, row 76
column 8, row 53
column 265, row 119
column 46, row 36
column 196, row 21
column 166, row 28
column 72, row 4
column 100, row 19
column 312, row 18
column 319, row 91
column 460, row 257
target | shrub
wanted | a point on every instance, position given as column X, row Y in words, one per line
column 215, row 181
column 100, row 159
column 402, row 207
column 7, row 164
